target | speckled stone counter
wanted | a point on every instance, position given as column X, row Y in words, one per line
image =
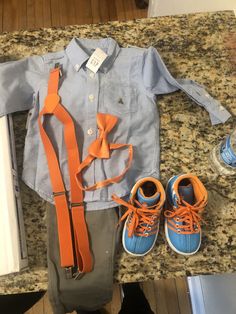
column 192, row 46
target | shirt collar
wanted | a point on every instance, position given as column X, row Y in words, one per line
column 79, row 50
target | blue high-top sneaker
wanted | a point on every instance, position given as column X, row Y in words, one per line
column 141, row 227
column 186, row 199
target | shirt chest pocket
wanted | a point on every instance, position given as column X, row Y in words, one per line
column 119, row 98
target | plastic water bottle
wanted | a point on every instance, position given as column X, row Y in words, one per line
column 223, row 156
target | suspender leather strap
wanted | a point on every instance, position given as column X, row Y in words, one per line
column 82, row 258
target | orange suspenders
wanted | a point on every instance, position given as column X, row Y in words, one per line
column 72, row 229
column 66, row 215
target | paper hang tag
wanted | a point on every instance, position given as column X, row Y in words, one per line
column 96, row 60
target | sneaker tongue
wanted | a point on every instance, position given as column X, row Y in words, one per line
column 149, row 200
column 186, row 193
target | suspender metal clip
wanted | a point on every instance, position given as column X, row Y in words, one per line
column 73, row 273
column 78, row 275
column 77, row 204
column 58, row 193
column 69, row 272
column 58, row 65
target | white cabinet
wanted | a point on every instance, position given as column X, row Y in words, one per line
column 13, row 253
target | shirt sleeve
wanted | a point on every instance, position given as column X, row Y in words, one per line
column 156, row 77
column 18, row 82
column 158, row 80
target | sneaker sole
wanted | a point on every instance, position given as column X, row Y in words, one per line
column 167, row 234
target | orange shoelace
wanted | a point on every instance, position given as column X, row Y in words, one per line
column 188, row 215
column 143, row 219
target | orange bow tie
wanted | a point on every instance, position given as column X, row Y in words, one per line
column 100, row 147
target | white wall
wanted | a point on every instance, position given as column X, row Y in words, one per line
column 171, row 7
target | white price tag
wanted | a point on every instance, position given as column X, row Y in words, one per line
column 96, row 60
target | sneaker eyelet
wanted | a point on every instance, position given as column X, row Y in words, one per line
column 178, row 231
column 177, row 219
column 146, row 234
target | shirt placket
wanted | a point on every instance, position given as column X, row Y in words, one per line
column 91, row 127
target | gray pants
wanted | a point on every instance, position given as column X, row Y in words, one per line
column 94, row 289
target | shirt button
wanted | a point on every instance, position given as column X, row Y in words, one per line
column 92, row 75
column 77, row 66
column 90, row 131
column 91, row 97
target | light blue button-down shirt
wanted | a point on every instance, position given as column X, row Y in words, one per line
column 126, row 86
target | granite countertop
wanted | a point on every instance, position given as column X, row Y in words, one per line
column 193, row 46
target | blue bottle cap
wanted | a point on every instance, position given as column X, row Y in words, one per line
column 227, row 153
